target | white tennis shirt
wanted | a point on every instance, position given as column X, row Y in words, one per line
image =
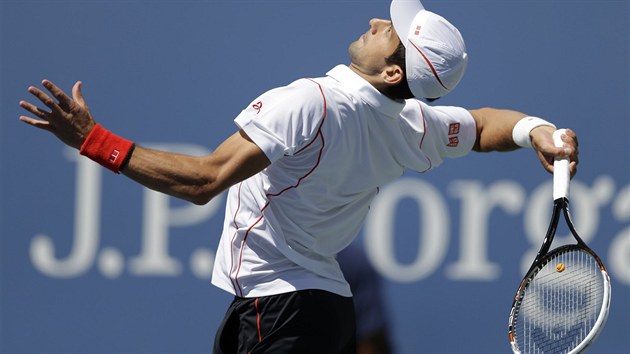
column 332, row 142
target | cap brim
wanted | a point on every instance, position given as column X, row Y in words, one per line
column 402, row 13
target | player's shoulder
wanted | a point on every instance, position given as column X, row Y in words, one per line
column 420, row 109
column 301, row 92
column 301, row 97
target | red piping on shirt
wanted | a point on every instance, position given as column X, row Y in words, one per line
column 238, row 206
column 319, row 135
column 319, row 158
column 240, row 257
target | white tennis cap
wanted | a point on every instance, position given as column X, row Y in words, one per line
column 435, row 52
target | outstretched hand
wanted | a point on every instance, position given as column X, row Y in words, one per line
column 542, row 142
column 69, row 118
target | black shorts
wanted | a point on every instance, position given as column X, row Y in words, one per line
column 306, row 321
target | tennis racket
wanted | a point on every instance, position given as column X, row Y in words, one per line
column 562, row 302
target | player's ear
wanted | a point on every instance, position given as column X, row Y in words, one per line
column 392, row 74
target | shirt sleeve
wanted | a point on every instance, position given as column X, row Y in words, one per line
column 283, row 120
column 441, row 131
column 453, row 129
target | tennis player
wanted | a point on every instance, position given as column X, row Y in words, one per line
column 303, row 167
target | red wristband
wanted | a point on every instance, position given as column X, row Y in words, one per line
column 107, row 149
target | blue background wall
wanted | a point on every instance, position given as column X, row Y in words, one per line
column 93, row 263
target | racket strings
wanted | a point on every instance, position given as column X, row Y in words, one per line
column 561, row 304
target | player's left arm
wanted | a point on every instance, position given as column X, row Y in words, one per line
column 193, row 178
column 494, row 133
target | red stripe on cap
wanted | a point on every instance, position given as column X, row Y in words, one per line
column 430, row 66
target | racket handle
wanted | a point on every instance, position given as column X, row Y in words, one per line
column 561, row 176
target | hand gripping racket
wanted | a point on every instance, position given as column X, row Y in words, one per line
column 562, row 302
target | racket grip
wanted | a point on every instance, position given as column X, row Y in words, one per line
column 561, row 175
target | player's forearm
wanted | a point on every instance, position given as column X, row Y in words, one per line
column 494, row 129
column 186, row 177
column 197, row 179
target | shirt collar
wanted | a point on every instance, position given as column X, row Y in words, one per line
column 368, row 93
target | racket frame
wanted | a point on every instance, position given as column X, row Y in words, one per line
column 561, row 206
column 561, row 179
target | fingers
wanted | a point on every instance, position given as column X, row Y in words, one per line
column 44, row 117
column 573, row 168
column 35, row 110
column 570, row 139
column 47, row 100
column 547, row 151
column 569, row 150
column 77, row 94
column 57, row 109
column 41, row 124
column 546, row 161
column 64, row 100
column 570, row 134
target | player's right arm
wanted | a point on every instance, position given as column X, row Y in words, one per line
column 194, row 178
column 494, row 133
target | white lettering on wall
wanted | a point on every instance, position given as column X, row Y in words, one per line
column 434, row 230
column 86, row 226
column 477, row 202
column 619, row 251
column 157, row 219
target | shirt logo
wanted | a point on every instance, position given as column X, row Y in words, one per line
column 453, row 129
column 417, row 32
column 257, row 106
column 113, row 156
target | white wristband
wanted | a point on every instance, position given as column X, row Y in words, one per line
column 520, row 133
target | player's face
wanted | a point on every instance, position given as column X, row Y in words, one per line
column 368, row 53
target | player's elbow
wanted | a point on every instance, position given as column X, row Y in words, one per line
column 199, row 191
column 200, row 199
column 207, row 183
column 202, row 195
